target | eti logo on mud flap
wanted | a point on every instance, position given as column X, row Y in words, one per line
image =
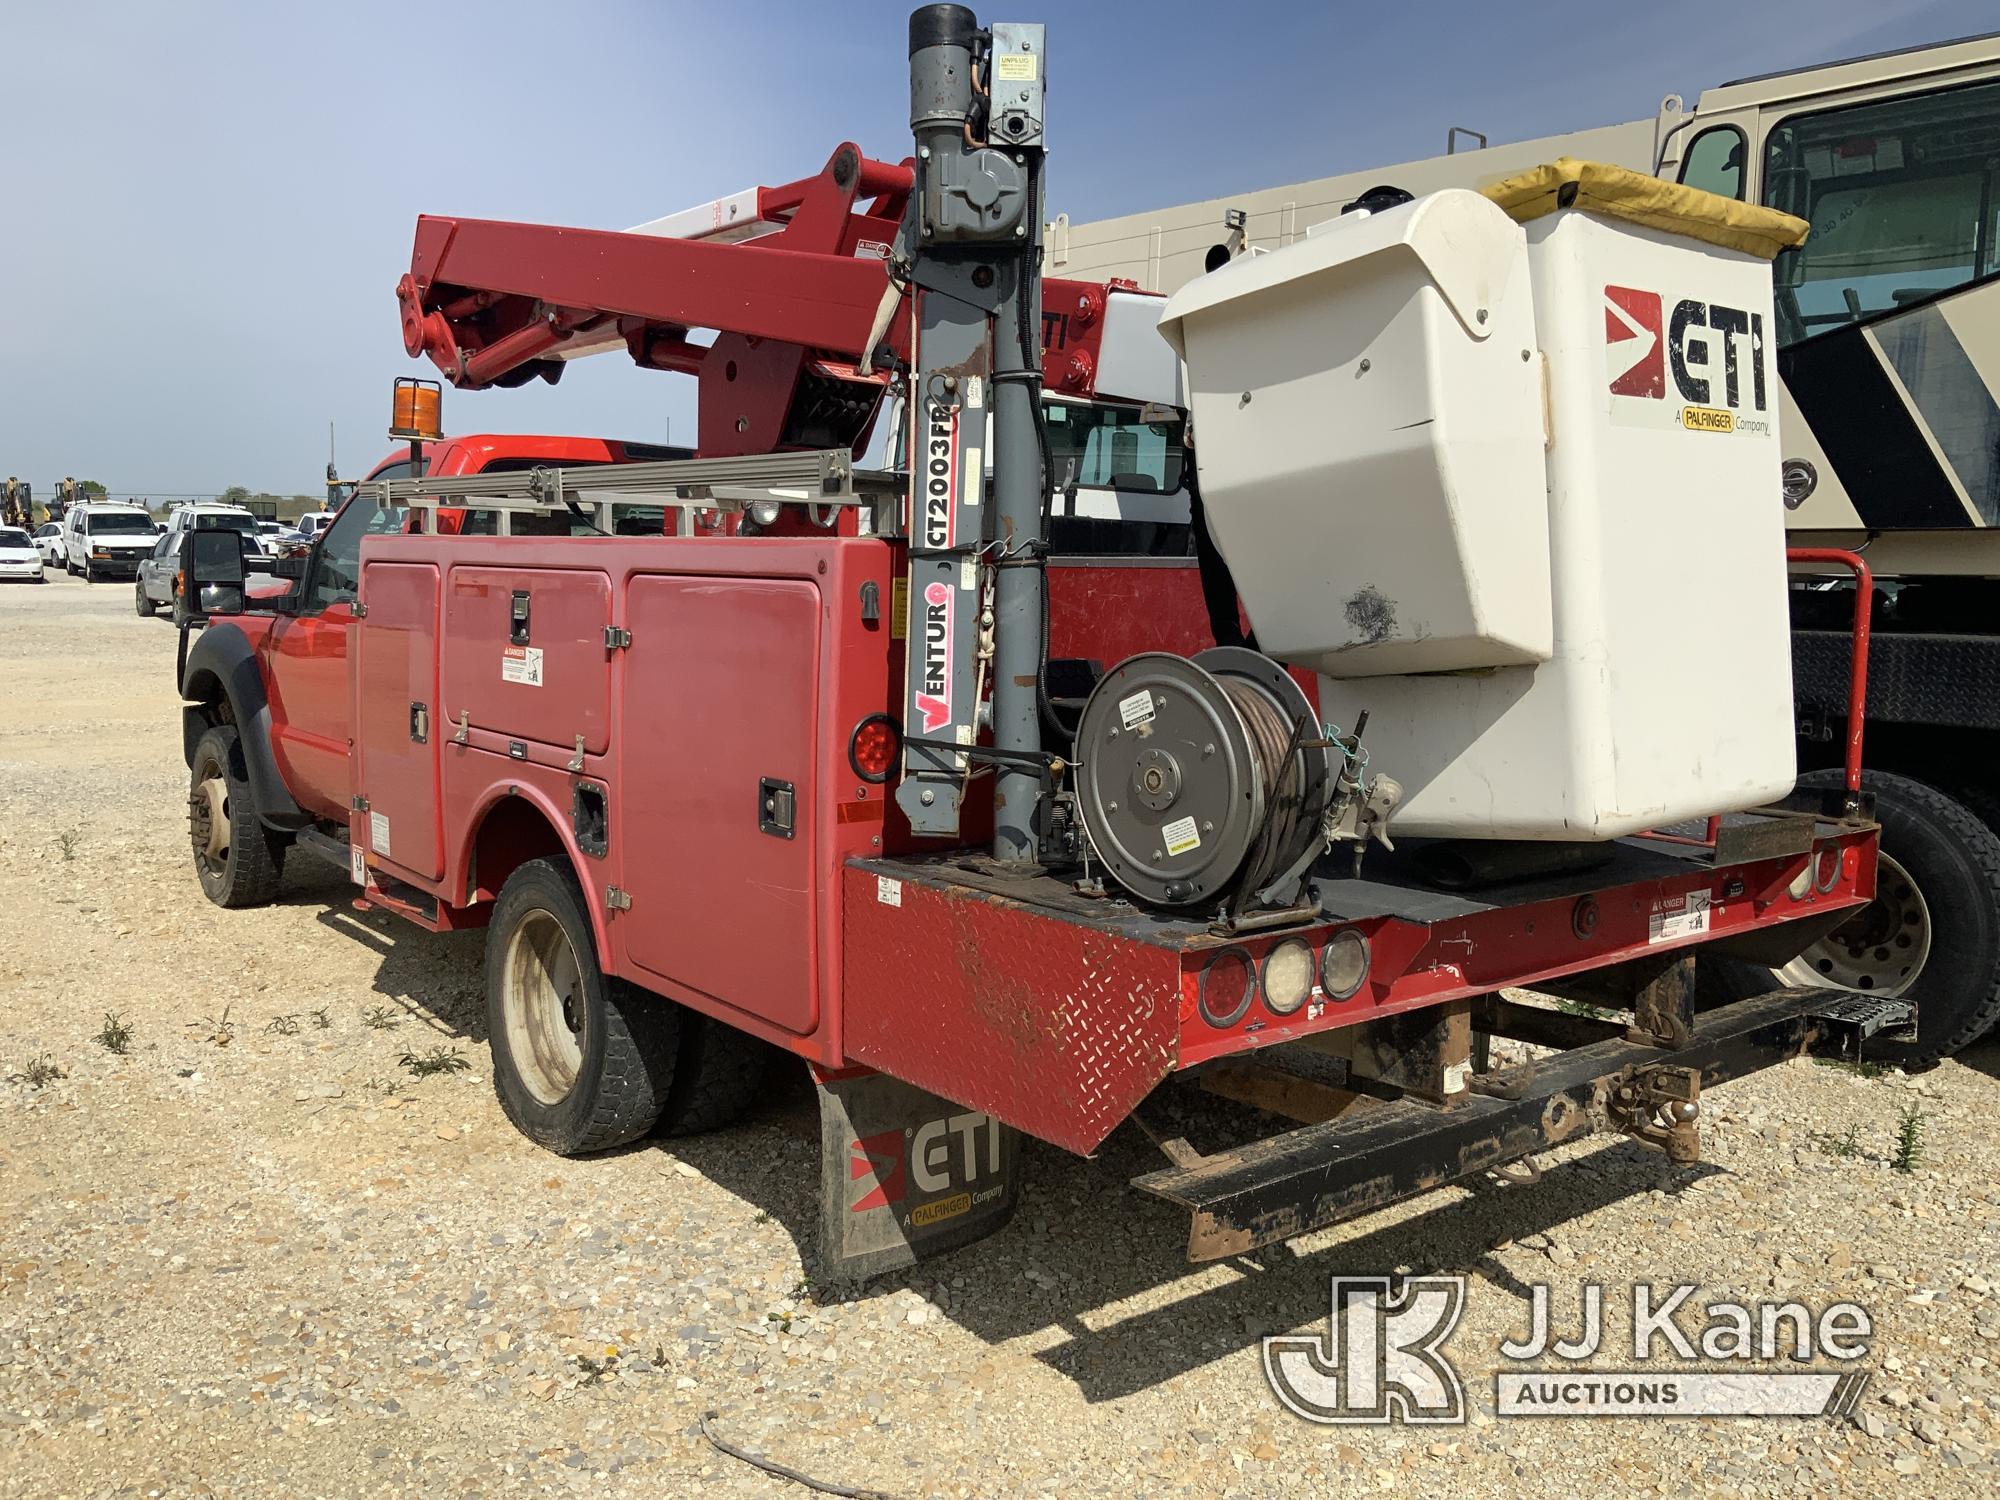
column 930, row 1168
column 1379, row 1359
column 934, row 691
column 939, row 470
column 1714, row 353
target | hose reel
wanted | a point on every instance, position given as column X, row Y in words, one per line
column 1201, row 779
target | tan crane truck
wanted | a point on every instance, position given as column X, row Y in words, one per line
column 1888, row 340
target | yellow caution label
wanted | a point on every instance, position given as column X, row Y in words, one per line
column 1707, row 419
column 944, row 1208
column 1015, row 67
column 899, row 608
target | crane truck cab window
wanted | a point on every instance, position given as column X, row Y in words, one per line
column 1118, row 475
column 1715, row 162
column 1901, row 195
column 336, row 577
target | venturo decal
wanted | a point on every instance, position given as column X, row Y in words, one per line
column 938, row 466
column 1714, row 353
column 934, row 692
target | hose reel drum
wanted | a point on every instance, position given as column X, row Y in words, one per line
column 1201, row 779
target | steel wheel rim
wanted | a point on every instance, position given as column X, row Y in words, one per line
column 1881, row 949
column 542, row 1003
column 208, row 819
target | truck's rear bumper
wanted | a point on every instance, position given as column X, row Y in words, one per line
column 1322, row 1174
column 1058, row 1012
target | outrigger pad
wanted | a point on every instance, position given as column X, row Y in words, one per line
column 905, row 1175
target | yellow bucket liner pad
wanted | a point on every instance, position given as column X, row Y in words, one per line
column 1618, row 192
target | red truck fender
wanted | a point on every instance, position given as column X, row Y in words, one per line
column 223, row 681
column 515, row 821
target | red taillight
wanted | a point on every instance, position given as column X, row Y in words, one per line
column 1226, row 986
column 872, row 751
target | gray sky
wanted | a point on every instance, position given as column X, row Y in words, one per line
column 207, row 205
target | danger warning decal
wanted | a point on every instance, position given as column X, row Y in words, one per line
column 1699, row 366
column 937, row 465
column 934, row 687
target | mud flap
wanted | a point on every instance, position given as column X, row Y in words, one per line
column 905, row 1175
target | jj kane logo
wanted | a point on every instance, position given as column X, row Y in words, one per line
column 1714, row 353
column 940, row 474
column 1381, row 1357
column 934, row 693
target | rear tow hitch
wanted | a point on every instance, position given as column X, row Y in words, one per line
column 1658, row 1106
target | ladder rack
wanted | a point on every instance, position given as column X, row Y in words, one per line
column 821, row 479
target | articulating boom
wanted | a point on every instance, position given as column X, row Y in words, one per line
column 796, row 304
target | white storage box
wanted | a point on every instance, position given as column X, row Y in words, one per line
column 1667, row 692
column 1368, row 435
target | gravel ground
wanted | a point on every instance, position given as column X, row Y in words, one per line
column 252, row 1255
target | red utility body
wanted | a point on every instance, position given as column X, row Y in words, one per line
column 751, row 661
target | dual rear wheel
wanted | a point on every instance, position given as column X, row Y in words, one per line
column 582, row 1061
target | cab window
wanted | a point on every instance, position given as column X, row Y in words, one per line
column 1715, row 162
column 1901, row 197
column 336, row 577
column 1127, row 477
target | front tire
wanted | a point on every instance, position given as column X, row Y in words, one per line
column 145, row 605
column 581, row 1062
column 238, row 861
column 1932, row 934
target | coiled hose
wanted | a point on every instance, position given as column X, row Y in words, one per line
column 1282, row 771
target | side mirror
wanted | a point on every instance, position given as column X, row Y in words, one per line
column 287, row 565
column 212, row 572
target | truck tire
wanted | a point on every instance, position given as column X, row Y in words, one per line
column 718, row 1076
column 237, row 859
column 145, row 604
column 1933, row 931
column 581, row 1061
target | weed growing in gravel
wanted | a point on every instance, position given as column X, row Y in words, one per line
column 1861, row 1069
column 287, row 1025
column 116, row 1035
column 378, row 1017
column 439, row 1059
column 40, row 1072
column 388, row 1088
column 592, row 1370
column 1909, row 1138
column 1846, row 1145
column 67, row 841
column 217, row 1029
column 322, row 1019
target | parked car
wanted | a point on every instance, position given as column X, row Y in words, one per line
column 49, row 543
column 101, row 541
column 206, row 516
column 159, row 576
column 19, row 557
column 312, row 523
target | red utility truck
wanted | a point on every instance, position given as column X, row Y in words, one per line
column 957, row 783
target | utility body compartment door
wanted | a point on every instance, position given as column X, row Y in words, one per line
column 718, row 699
column 524, row 654
column 396, row 718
